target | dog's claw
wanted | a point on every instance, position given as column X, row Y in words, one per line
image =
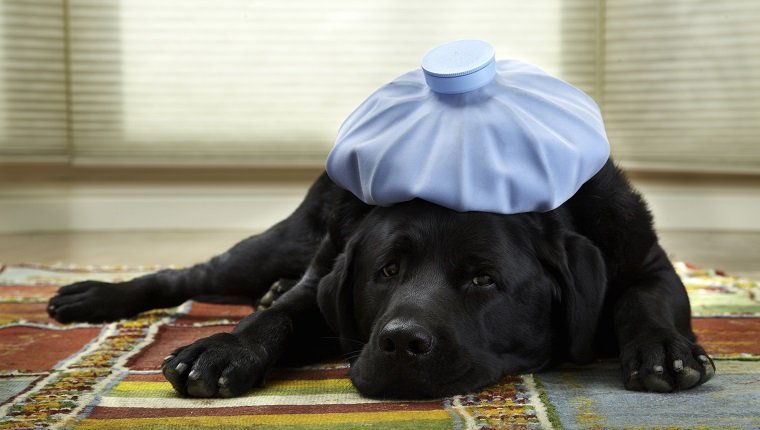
column 709, row 366
column 646, row 369
column 220, row 365
column 634, row 383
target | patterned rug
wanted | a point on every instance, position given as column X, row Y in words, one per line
column 106, row 376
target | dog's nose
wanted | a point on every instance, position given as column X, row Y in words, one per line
column 405, row 339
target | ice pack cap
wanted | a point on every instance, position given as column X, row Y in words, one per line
column 471, row 133
column 459, row 67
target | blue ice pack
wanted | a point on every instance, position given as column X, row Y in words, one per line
column 471, row 133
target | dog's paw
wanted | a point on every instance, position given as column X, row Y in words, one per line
column 89, row 301
column 664, row 364
column 219, row 365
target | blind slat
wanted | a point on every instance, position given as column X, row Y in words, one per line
column 33, row 116
column 239, row 80
column 682, row 82
column 245, row 78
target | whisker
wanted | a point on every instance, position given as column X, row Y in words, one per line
column 348, row 339
column 351, row 356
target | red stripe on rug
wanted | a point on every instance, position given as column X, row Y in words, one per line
column 112, row 413
column 145, row 377
column 43, row 292
column 728, row 336
column 39, row 349
column 91, row 269
column 276, row 375
column 28, row 312
column 201, row 312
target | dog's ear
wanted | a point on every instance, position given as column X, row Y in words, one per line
column 583, row 284
column 335, row 298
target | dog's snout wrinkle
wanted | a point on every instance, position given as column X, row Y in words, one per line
column 405, row 339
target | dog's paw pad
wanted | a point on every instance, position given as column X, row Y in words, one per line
column 687, row 377
column 670, row 364
column 224, row 387
column 199, row 386
column 220, row 365
column 655, row 382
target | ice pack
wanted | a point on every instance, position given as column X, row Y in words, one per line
column 471, row 133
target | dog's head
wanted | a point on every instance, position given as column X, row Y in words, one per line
column 445, row 302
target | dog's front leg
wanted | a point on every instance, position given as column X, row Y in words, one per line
column 245, row 271
column 229, row 364
column 658, row 350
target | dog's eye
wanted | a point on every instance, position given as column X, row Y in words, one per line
column 390, row 270
column 482, row 280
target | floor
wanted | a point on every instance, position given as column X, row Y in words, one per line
column 737, row 253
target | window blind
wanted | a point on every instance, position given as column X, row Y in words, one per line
column 241, row 81
column 33, row 102
column 257, row 82
column 682, row 84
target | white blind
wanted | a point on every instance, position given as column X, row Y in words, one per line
column 33, row 103
column 254, row 81
column 682, row 83
column 247, row 81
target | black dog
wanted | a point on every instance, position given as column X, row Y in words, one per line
column 431, row 302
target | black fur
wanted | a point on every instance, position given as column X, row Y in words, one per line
column 430, row 302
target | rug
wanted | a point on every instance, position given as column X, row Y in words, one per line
column 85, row 376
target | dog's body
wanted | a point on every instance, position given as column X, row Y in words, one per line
column 429, row 301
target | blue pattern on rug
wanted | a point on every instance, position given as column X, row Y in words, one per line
column 592, row 397
column 12, row 385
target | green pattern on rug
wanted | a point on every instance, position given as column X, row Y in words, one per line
column 107, row 376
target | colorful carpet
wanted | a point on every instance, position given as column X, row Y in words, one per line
column 106, row 376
